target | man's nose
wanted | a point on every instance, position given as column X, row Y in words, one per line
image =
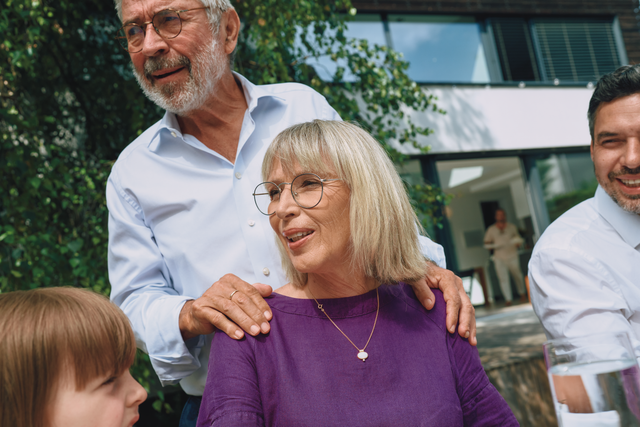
column 631, row 155
column 153, row 44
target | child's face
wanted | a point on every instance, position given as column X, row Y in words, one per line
column 105, row 402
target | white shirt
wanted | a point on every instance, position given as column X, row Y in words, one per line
column 585, row 272
column 181, row 216
column 503, row 242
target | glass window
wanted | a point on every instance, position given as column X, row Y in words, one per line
column 566, row 180
column 368, row 27
column 411, row 172
column 574, row 50
column 515, row 49
column 445, row 49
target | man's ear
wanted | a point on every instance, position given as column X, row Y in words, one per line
column 230, row 25
column 591, row 149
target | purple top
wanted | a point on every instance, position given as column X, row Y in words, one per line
column 304, row 372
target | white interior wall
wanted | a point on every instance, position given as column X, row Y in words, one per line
column 519, row 196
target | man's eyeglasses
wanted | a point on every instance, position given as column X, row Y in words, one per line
column 306, row 189
column 167, row 24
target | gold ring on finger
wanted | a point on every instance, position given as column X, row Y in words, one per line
column 232, row 294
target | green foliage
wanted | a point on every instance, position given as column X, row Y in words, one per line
column 53, row 226
column 428, row 202
column 69, row 105
column 562, row 203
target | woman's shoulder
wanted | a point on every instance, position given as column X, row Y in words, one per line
column 404, row 294
column 288, row 305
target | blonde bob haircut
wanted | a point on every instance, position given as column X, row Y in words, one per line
column 50, row 334
column 384, row 228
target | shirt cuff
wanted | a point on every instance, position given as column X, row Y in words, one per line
column 170, row 356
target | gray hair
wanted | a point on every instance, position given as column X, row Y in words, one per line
column 384, row 227
column 216, row 8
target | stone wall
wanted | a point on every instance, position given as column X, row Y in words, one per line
column 525, row 387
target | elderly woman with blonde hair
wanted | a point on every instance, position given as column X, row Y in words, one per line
column 349, row 344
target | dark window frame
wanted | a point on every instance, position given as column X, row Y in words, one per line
column 494, row 53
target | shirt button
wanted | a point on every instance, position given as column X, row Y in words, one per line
column 265, row 271
column 251, row 223
column 238, row 175
column 173, row 134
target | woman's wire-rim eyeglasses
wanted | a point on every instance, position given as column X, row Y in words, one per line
column 307, row 190
column 167, row 23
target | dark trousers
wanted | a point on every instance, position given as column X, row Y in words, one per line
column 189, row 415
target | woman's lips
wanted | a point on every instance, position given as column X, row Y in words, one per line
column 297, row 238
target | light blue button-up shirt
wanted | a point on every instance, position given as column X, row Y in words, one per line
column 181, row 216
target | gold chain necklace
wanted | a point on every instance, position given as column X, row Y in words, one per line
column 362, row 355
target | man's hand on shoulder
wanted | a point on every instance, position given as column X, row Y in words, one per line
column 459, row 308
column 231, row 305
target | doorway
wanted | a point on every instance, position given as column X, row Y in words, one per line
column 480, row 186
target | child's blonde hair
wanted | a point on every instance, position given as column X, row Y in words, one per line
column 48, row 333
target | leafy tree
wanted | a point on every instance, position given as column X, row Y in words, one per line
column 69, row 105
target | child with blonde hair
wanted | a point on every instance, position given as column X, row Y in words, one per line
column 65, row 355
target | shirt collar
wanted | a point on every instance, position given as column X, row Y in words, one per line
column 625, row 223
column 253, row 93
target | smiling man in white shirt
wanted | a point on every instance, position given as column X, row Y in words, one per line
column 585, row 269
column 185, row 238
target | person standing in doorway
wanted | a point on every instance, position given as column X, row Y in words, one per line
column 503, row 238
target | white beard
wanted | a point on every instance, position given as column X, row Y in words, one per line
column 208, row 66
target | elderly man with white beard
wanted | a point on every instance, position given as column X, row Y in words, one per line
column 181, row 213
